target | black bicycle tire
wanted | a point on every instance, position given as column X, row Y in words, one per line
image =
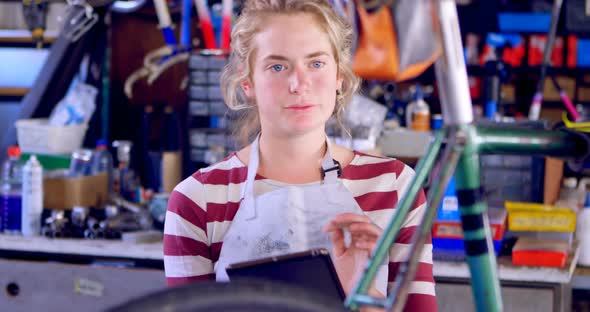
column 243, row 296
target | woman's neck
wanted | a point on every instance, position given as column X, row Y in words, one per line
column 294, row 159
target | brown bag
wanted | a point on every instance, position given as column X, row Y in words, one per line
column 377, row 54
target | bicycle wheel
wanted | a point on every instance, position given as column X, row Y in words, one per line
column 243, row 296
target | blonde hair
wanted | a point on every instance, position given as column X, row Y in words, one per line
column 238, row 68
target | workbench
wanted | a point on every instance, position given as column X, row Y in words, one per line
column 524, row 288
column 74, row 274
column 58, row 274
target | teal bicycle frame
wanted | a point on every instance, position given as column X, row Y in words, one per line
column 464, row 142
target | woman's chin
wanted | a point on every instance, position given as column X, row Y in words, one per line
column 304, row 126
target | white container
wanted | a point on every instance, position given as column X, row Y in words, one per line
column 32, row 203
column 36, row 136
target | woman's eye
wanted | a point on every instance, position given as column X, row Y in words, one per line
column 277, row 68
column 317, row 64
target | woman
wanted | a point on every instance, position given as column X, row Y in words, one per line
column 291, row 189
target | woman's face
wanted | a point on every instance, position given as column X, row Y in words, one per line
column 294, row 75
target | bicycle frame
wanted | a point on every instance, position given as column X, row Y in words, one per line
column 464, row 143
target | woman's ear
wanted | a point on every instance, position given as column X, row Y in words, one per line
column 339, row 82
column 247, row 88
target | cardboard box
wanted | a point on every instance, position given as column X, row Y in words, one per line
column 584, row 94
column 550, row 93
column 552, row 183
column 64, row 193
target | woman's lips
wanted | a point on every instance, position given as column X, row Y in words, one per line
column 300, row 107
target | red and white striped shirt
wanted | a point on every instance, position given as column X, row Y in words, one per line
column 202, row 207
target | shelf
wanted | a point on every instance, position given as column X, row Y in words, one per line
column 19, row 36
column 478, row 70
column 85, row 247
column 13, row 91
column 509, row 272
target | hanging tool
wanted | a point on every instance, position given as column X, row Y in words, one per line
column 535, row 109
column 569, row 106
column 226, row 24
column 206, row 24
column 159, row 60
column 35, row 14
column 81, row 19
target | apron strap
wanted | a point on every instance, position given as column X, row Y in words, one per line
column 247, row 192
column 331, row 168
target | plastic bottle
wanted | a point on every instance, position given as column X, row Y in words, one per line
column 102, row 161
column 582, row 193
column 11, row 193
column 32, row 197
column 125, row 175
column 568, row 194
column 583, row 232
column 418, row 113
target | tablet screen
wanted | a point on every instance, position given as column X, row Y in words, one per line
column 311, row 269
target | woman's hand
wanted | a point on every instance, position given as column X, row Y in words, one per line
column 351, row 260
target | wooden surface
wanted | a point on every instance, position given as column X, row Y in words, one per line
column 23, row 36
column 13, row 91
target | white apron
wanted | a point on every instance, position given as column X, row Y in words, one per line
column 287, row 220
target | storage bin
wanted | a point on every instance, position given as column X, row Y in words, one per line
column 38, row 137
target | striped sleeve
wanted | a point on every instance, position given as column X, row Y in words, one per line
column 421, row 296
column 187, row 255
column 377, row 184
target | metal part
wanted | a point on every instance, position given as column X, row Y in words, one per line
column 81, row 19
column 451, row 73
column 535, row 109
column 56, row 225
column 111, row 211
column 518, row 141
column 392, row 230
column 482, row 261
column 122, row 202
column 407, row 270
column 79, row 215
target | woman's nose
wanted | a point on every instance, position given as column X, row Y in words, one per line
column 299, row 80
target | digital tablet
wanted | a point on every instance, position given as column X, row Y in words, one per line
column 312, row 269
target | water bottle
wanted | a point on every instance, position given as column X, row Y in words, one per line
column 11, row 193
column 32, row 197
column 102, row 161
column 80, row 165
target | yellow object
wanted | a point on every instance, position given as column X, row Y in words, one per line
column 578, row 126
column 539, row 218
